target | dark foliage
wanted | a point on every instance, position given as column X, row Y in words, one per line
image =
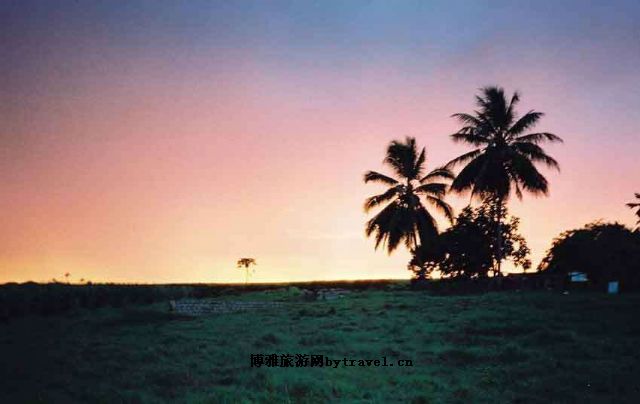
column 468, row 249
column 604, row 251
column 505, row 155
column 403, row 217
column 636, row 206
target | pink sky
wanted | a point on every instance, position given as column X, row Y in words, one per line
column 141, row 161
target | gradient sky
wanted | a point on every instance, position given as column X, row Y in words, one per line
column 157, row 141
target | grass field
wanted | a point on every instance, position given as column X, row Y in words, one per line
column 497, row 347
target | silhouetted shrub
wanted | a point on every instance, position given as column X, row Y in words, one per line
column 604, row 251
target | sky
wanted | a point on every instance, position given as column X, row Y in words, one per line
column 160, row 141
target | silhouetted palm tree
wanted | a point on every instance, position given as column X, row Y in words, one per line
column 636, row 205
column 246, row 263
column 404, row 218
column 504, row 157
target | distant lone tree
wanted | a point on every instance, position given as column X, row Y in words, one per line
column 404, row 219
column 504, row 155
column 246, row 263
column 604, row 251
column 636, row 205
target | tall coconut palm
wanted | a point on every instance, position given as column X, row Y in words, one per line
column 504, row 156
column 403, row 217
column 636, row 205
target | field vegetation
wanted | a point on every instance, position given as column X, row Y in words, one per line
column 538, row 346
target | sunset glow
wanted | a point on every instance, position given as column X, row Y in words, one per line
column 161, row 143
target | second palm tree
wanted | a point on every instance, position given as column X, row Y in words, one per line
column 404, row 218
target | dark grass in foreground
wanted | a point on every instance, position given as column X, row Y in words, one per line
column 498, row 347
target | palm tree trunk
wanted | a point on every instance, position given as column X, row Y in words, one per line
column 499, row 241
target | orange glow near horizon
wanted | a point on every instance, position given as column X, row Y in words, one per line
column 137, row 160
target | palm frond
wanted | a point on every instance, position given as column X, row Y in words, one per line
column 491, row 126
column 515, row 99
column 525, row 122
column 518, row 191
column 402, row 157
column 377, row 200
column 463, row 159
column 467, row 119
column 442, row 206
column 426, row 225
column 471, row 136
column 494, row 108
column 438, row 173
column 527, row 175
column 379, row 222
column 635, row 204
column 419, row 164
column 536, row 154
column 466, row 178
column 392, row 225
column 539, row 137
column 433, row 188
column 373, row 176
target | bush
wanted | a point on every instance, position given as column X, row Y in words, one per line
column 604, row 251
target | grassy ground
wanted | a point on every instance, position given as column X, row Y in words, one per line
column 500, row 347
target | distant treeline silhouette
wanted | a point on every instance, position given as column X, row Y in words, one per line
column 30, row 298
column 53, row 298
